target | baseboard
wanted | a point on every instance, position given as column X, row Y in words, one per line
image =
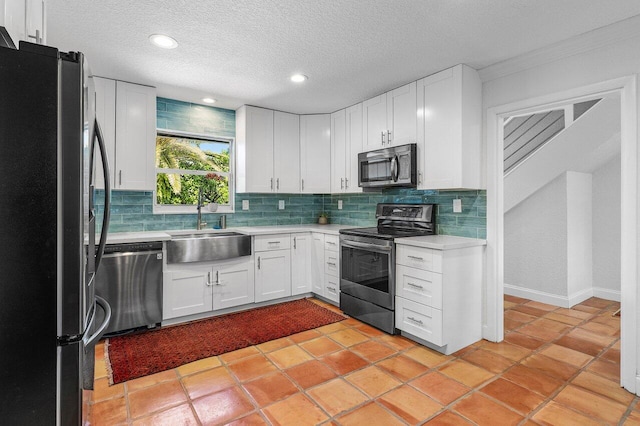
column 537, row 295
column 580, row 297
column 607, row 294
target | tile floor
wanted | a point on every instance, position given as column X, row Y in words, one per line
column 556, row 367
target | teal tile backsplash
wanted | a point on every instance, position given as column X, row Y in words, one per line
column 133, row 210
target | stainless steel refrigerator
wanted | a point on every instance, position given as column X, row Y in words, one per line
column 48, row 141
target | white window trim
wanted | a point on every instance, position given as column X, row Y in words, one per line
column 168, row 209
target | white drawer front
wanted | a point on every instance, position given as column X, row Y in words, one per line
column 332, row 288
column 418, row 257
column 419, row 286
column 272, row 242
column 331, row 242
column 332, row 263
column 420, row 320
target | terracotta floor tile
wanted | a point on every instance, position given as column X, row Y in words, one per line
column 507, row 350
column 200, row 365
column 567, row 355
column 549, row 324
column 102, row 390
column 440, row 387
column 155, row 398
column 331, row 328
column 612, row 355
column 100, row 369
column 530, row 378
column 539, row 332
column 580, row 333
column 180, row 415
column 574, row 313
column 565, row 319
column 530, row 310
column 511, row 325
column 520, row 399
column 402, row 368
column 369, row 331
column 519, row 316
column 343, row 362
column 553, row 414
column 230, row 357
column 254, row 419
column 508, row 305
column 448, row 418
column 596, row 302
column 541, row 306
column 371, row 415
column 550, row 366
column 153, row 379
column 464, row 351
column 305, row 335
column 515, row 299
column 351, row 322
column 466, row 373
column 337, row 396
column 289, row 356
column 633, row 419
column 208, row 381
column 483, row 411
column 373, row 350
column 109, row 412
column 488, row 360
column 295, row 410
column 222, row 406
column 600, row 329
column 524, row 340
column 580, row 345
column 413, row 406
column 427, row 356
column 251, row 367
column 608, row 320
column 587, row 309
column 275, row 344
column 605, row 387
column 348, row 337
column 607, row 369
column 373, row 381
column 270, row 388
column 591, row 404
column 310, row 373
column 397, row 342
column 320, row 346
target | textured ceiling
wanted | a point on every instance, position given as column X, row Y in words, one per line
column 241, row 51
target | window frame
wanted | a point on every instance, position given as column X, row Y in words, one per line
column 191, row 209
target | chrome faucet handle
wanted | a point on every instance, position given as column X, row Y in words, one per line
column 203, row 225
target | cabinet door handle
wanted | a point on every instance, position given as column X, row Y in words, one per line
column 346, row 183
column 388, row 136
column 419, row 177
column 382, row 137
column 416, row 258
column 258, row 262
column 415, row 320
column 415, row 285
column 294, row 243
column 278, row 183
column 331, row 263
column 341, row 183
column 272, row 184
column 331, row 289
column 208, row 279
column 218, row 282
column 120, row 178
column 303, row 184
column 331, row 242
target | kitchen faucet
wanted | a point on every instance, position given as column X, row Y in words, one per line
column 200, row 224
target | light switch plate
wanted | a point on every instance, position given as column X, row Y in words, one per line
column 281, row 204
column 245, row 204
column 457, row 206
column 339, row 204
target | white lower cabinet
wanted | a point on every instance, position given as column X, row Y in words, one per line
column 272, row 267
column 190, row 289
column 331, row 290
column 439, row 295
column 301, row 263
column 317, row 263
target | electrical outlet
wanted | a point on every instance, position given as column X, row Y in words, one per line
column 457, row 205
column 245, row 204
column 281, row 204
column 339, row 204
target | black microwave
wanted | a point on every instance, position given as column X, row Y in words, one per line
column 388, row 167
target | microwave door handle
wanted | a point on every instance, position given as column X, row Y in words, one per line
column 107, row 194
column 395, row 172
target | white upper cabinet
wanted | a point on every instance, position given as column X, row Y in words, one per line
column 315, row 153
column 286, row 139
column 449, row 129
column 105, row 103
column 24, row 20
column 390, row 119
column 134, row 167
column 268, row 151
column 346, row 144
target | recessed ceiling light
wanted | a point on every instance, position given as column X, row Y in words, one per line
column 298, row 78
column 209, row 100
column 163, row 41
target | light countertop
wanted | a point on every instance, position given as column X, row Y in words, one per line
column 441, row 242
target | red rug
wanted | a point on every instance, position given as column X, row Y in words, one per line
column 138, row 355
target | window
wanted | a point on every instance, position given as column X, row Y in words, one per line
column 190, row 167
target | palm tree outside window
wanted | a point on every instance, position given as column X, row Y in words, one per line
column 183, row 161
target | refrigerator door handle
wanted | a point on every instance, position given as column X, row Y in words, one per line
column 107, row 194
column 91, row 340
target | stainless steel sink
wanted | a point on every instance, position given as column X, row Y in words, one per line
column 203, row 247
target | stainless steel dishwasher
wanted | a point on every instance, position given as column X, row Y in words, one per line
column 130, row 279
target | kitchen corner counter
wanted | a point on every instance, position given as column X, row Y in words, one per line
column 290, row 229
column 441, row 242
column 136, row 237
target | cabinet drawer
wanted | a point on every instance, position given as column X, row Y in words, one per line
column 272, row 242
column 418, row 257
column 419, row 286
column 420, row 320
column 332, row 263
column 332, row 288
column 331, row 242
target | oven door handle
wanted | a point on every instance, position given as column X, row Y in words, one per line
column 367, row 246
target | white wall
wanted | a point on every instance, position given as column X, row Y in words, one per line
column 535, row 243
column 606, row 230
column 579, row 237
